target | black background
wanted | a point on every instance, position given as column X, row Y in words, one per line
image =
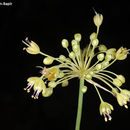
column 47, row 22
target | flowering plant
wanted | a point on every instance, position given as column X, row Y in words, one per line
column 79, row 64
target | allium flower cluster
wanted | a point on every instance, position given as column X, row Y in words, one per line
column 80, row 64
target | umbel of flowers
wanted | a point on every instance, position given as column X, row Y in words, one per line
column 79, row 64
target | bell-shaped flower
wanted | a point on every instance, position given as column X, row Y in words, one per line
column 122, row 99
column 37, row 84
column 127, row 93
column 32, row 47
column 105, row 109
column 121, row 53
column 98, row 19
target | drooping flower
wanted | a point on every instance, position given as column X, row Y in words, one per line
column 122, row 99
column 37, row 84
column 105, row 109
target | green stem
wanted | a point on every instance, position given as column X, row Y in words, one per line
column 80, row 102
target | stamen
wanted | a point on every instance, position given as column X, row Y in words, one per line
column 33, row 94
column 105, row 118
column 39, row 67
column 109, row 117
column 25, row 43
column 126, row 106
column 28, row 88
column 26, row 39
column 36, row 94
column 24, row 48
column 94, row 10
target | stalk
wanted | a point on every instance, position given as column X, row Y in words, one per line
column 80, row 102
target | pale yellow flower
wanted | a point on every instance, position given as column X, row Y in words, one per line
column 37, row 84
column 105, row 109
column 98, row 19
column 32, row 47
column 122, row 99
column 121, row 53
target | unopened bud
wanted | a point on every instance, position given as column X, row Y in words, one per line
column 77, row 37
column 98, row 66
column 95, row 42
column 52, row 84
column 121, row 78
column 74, row 42
column 100, row 57
column 93, row 36
column 65, row 83
column 48, row 92
column 98, row 19
column 62, row 57
column 102, row 47
column 65, row 43
column 88, row 76
column 84, row 89
column 76, row 48
column 72, row 55
column 117, row 82
column 48, row 60
column 105, row 63
column 108, row 57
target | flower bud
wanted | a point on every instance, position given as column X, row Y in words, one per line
column 102, row 47
column 100, row 57
column 88, row 76
column 111, row 52
column 65, row 43
column 91, row 73
column 48, row 92
column 62, row 57
column 77, row 37
column 98, row 66
column 48, row 60
column 52, row 84
column 84, row 89
column 76, row 48
column 121, row 78
column 74, row 42
column 98, row 18
column 93, row 36
column 95, row 42
column 117, row 82
column 65, row 83
column 72, row 55
column 105, row 63
column 108, row 57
